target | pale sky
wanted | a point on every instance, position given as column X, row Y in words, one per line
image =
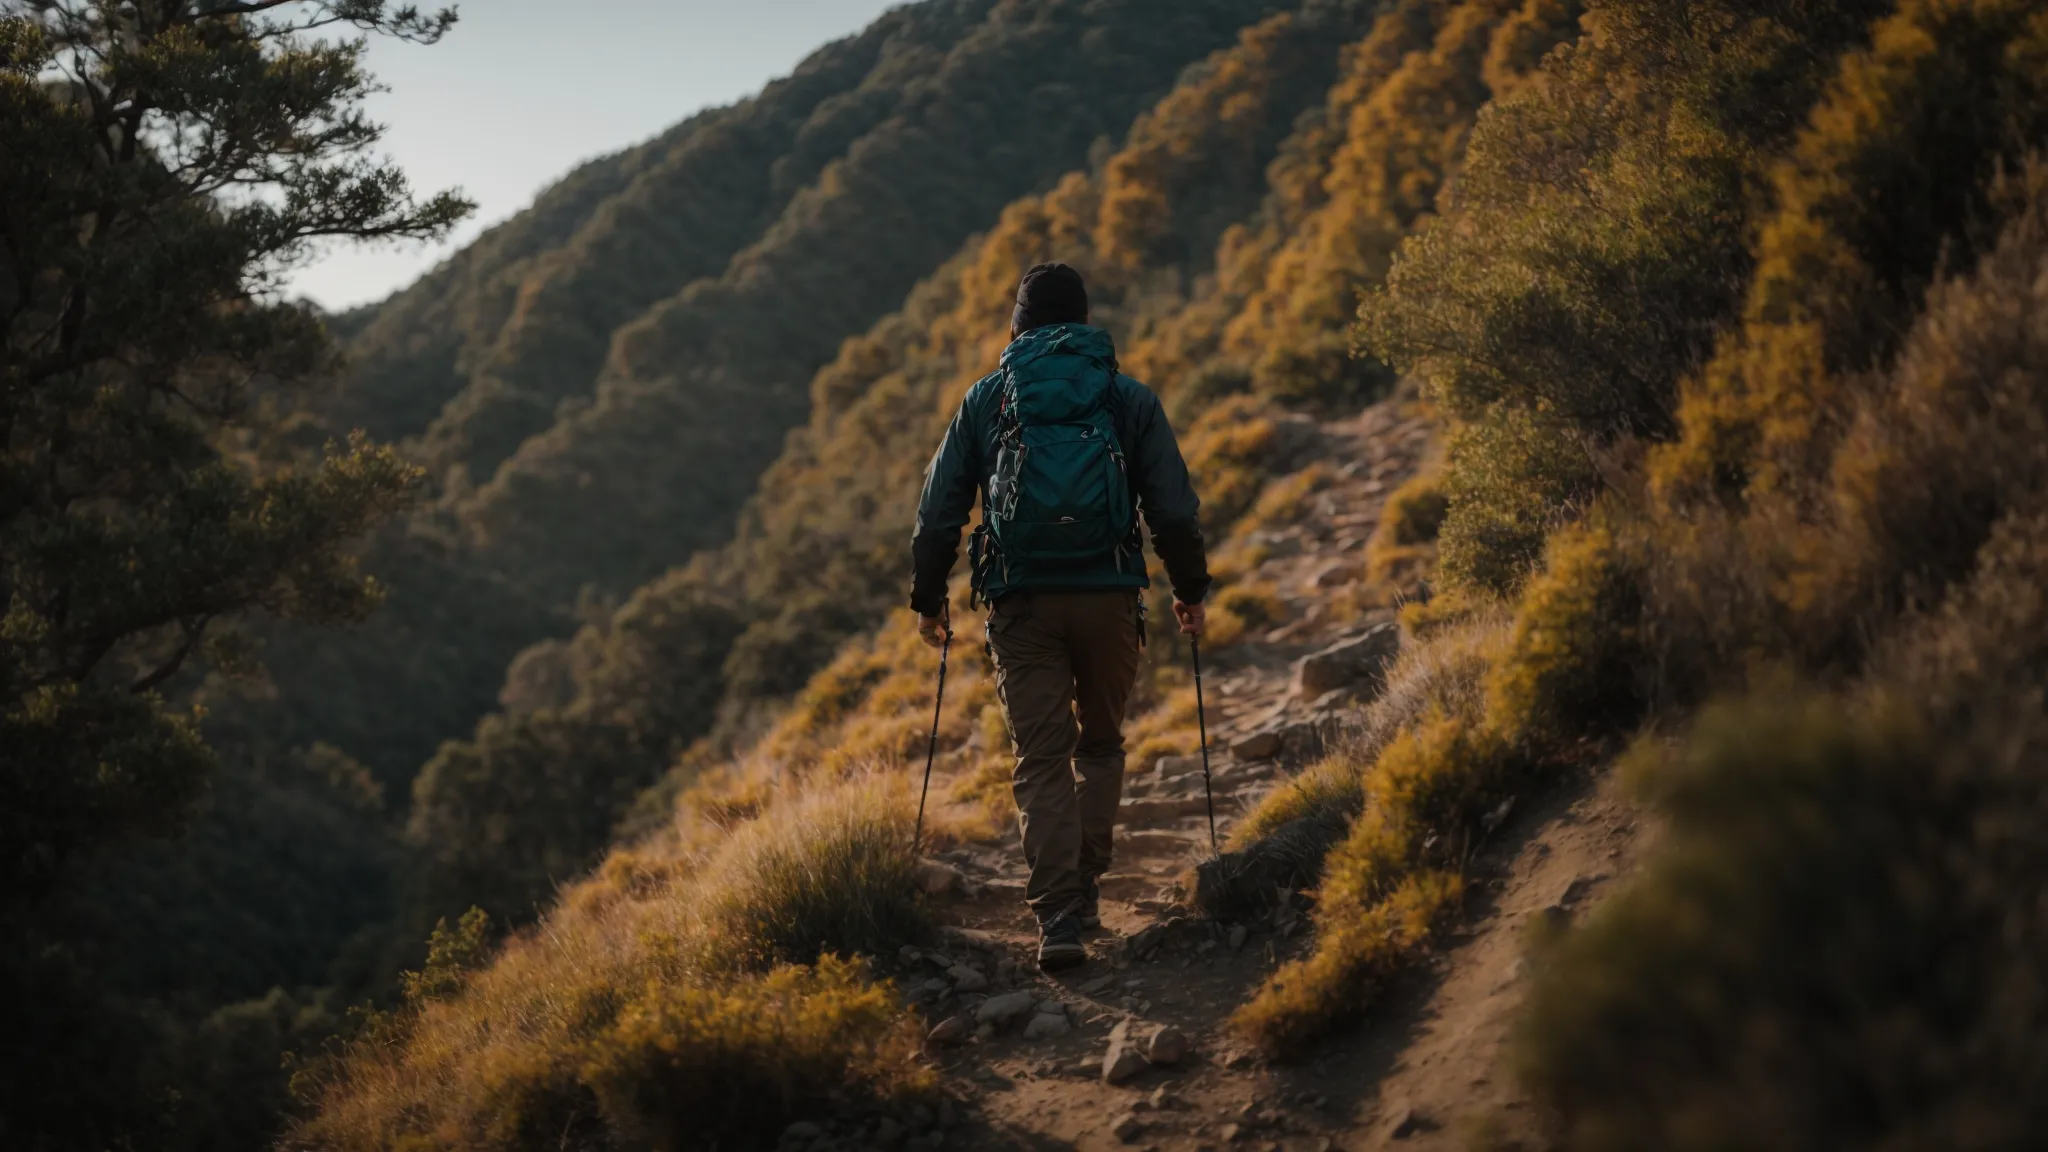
column 522, row 90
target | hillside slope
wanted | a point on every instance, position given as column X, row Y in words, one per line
column 818, row 558
column 1313, row 95
column 295, row 892
column 1730, row 320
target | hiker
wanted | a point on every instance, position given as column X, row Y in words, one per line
column 1065, row 451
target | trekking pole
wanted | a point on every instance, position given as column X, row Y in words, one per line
column 945, row 650
column 1202, row 725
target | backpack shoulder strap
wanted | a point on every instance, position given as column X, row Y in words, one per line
column 1009, row 417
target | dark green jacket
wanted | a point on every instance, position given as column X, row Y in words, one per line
column 1159, row 480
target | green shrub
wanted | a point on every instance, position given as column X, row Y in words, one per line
column 1326, row 374
column 1839, row 944
column 1891, row 179
column 1509, row 479
column 1403, row 545
column 1444, row 674
column 1574, row 666
column 1389, row 884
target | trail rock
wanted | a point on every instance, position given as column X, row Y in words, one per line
column 1122, row 1060
column 967, row 979
column 1304, row 739
column 1097, row 986
column 1168, row 767
column 1406, row 1122
column 1237, row 934
column 1578, row 889
column 1169, row 1045
column 1046, row 1025
column 1147, row 941
column 936, row 879
column 1000, row 1010
column 1128, row 1128
column 951, row 1030
column 1360, row 661
column 802, row 1130
column 1338, row 573
column 1278, row 545
column 1159, row 809
column 1259, row 745
column 973, row 938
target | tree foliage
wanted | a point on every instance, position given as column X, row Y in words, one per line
column 163, row 164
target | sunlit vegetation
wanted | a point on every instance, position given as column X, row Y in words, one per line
column 1732, row 316
column 814, row 568
column 818, row 556
column 695, row 992
column 1768, row 282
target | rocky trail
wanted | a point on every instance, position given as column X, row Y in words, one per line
column 1130, row 1050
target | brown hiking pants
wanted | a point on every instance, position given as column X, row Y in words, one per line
column 1065, row 666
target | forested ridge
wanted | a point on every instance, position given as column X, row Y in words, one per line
column 1725, row 314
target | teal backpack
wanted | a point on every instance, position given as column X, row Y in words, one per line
column 1059, row 495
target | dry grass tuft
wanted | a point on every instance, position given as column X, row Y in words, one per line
column 1284, row 841
column 653, row 1005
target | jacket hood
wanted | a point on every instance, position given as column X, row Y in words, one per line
column 1082, row 340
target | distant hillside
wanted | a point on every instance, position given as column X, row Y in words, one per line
column 964, row 107
column 599, row 382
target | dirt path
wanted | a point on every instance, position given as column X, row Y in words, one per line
column 1418, row 1073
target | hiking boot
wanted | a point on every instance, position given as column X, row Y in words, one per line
column 1059, row 941
column 1089, row 910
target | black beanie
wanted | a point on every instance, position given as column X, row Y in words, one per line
column 1049, row 294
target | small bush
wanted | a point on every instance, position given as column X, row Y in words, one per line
column 829, row 874
column 1324, row 374
column 1240, row 610
column 1403, row 546
column 1289, row 499
column 1415, row 512
column 1444, row 674
column 1838, row 944
column 1168, row 730
column 1510, row 479
column 1207, row 386
column 1572, row 666
column 1232, row 447
column 704, row 1067
column 1390, row 883
column 650, row 1006
column 1329, row 793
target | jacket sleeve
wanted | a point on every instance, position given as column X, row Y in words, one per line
column 950, row 482
column 1167, row 497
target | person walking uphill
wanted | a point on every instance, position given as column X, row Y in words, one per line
column 1065, row 452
